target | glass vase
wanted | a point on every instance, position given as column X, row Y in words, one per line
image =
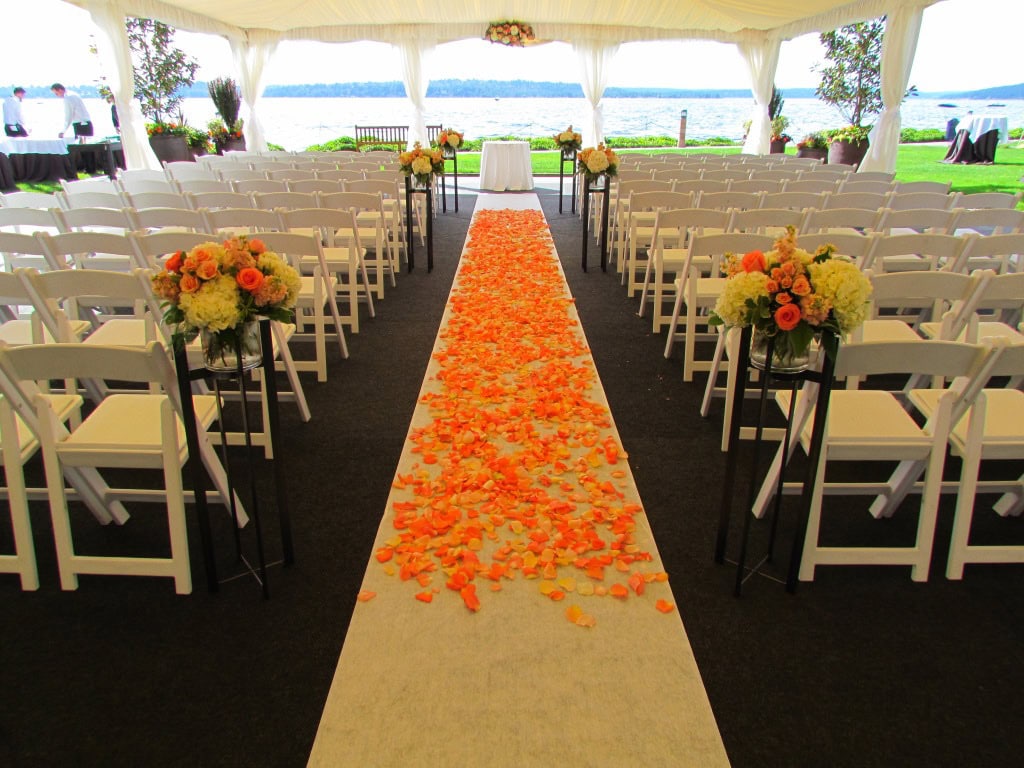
column 221, row 349
column 784, row 358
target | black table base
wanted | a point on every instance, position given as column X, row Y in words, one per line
column 452, row 155
column 602, row 238
column 567, row 157
column 409, row 192
column 963, row 150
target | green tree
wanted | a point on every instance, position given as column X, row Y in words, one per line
column 161, row 70
column 852, row 81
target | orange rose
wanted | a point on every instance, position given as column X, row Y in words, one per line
column 249, row 279
column 188, row 284
column 173, row 264
column 800, row 286
column 257, row 246
column 206, row 270
column 777, row 274
column 789, row 268
column 772, row 286
column 754, row 262
column 787, row 317
column 783, row 298
column 786, row 282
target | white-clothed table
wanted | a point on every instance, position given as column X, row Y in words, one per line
column 505, row 165
column 10, row 146
column 978, row 125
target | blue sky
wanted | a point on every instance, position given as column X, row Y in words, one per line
column 964, row 44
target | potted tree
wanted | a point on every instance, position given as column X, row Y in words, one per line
column 226, row 132
column 161, row 72
column 852, row 83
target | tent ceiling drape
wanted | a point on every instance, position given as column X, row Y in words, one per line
column 595, row 27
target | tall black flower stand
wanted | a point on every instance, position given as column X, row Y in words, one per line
column 199, row 479
column 450, row 153
column 410, row 190
column 588, row 190
column 568, row 156
column 829, row 347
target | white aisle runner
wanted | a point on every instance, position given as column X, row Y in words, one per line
column 517, row 683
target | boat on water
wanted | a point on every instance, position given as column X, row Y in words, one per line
column 948, row 106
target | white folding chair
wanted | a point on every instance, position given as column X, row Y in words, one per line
column 138, row 431
column 88, row 250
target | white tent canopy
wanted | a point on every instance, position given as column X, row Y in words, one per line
column 594, row 27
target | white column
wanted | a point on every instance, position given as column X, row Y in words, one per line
column 251, row 55
column 762, row 58
column 413, row 53
column 902, row 27
column 595, row 58
column 116, row 57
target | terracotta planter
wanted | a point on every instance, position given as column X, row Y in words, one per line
column 817, row 154
column 171, row 149
column 231, row 145
column 777, row 147
column 847, row 152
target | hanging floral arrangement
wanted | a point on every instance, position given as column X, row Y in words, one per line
column 514, row 33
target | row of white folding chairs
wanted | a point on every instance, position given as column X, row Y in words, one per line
column 972, row 417
column 350, row 275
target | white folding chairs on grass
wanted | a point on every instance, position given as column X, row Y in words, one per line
column 317, row 298
column 137, row 431
column 673, row 231
column 873, row 425
column 699, row 294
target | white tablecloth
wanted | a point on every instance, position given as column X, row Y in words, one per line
column 506, row 165
column 10, row 146
column 978, row 125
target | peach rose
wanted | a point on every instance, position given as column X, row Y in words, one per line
column 257, row 246
column 206, row 270
column 249, row 279
column 188, row 284
column 787, row 317
column 754, row 262
column 800, row 286
column 783, row 298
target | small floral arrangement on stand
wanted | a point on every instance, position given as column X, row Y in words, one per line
column 514, row 33
column 166, row 129
column 595, row 162
column 219, row 291
column 449, row 140
column 220, row 134
column 422, row 164
column 569, row 140
column 791, row 296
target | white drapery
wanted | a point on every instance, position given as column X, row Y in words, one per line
column 762, row 59
column 595, row 58
column 413, row 53
column 899, row 45
column 251, row 56
column 116, row 57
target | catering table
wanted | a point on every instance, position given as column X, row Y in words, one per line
column 35, row 160
column 505, row 165
column 976, row 139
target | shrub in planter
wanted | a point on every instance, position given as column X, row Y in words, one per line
column 813, row 145
column 227, row 101
column 847, row 146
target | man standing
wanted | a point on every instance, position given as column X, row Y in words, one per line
column 75, row 113
column 13, row 123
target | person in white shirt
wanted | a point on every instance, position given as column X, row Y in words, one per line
column 75, row 113
column 14, row 125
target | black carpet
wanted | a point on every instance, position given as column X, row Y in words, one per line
column 860, row 668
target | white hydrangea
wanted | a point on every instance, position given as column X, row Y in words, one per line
column 732, row 303
column 839, row 281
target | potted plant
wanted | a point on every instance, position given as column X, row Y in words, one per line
column 813, row 145
column 847, row 146
column 161, row 72
column 226, row 132
column 779, row 137
column 852, row 83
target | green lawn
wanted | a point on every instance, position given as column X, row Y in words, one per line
column 914, row 162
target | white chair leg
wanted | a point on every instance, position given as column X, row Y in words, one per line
column 674, row 322
column 963, row 515
column 810, row 553
column 23, row 561
column 716, row 363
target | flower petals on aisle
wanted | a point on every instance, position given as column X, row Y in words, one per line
column 519, row 474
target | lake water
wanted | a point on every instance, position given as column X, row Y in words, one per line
column 300, row 122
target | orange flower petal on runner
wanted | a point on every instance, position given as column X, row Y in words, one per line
column 365, row 595
column 425, row 597
column 665, row 606
column 619, row 591
column 469, row 597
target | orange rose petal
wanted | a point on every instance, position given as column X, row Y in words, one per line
column 619, row 591
column 425, row 597
column 365, row 596
column 665, row 606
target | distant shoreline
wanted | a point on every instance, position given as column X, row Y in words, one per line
column 510, row 89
